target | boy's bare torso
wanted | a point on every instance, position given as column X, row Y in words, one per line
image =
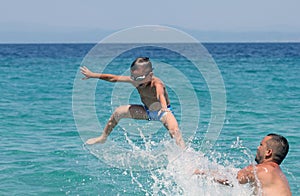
column 148, row 94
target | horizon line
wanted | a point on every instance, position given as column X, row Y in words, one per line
column 213, row 42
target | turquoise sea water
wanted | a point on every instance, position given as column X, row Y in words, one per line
column 42, row 152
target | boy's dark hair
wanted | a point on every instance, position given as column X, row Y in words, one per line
column 279, row 145
column 141, row 61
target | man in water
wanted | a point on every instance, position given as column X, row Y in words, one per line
column 156, row 103
column 267, row 175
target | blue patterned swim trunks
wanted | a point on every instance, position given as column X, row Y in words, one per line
column 155, row 115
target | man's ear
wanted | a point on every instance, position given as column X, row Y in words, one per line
column 269, row 153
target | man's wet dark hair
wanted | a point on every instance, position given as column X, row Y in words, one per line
column 279, row 145
column 141, row 62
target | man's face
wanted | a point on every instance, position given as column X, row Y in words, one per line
column 262, row 150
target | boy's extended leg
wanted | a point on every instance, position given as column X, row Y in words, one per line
column 126, row 111
column 171, row 124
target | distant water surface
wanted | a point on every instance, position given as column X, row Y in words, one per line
column 43, row 154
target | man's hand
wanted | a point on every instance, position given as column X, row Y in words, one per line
column 198, row 172
column 216, row 179
column 165, row 109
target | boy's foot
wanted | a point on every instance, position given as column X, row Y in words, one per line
column 95, row 140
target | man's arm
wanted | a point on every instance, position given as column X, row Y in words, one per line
column 246, row 175
column 214, row 174
column 107, row 77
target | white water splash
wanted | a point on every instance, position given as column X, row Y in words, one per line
column 178, row 177
column 169, row 170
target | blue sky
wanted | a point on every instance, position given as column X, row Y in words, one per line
column 91, row 20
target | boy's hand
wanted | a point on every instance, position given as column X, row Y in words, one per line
column 165, row 110
column 86, row 72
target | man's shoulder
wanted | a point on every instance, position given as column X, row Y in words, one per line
column 268, row 165
column 267, row 171
column 262, row 167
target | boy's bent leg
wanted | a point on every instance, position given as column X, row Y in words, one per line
column 126, row 111
column 171, row 124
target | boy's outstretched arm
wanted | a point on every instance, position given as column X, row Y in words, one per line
column 107, row 77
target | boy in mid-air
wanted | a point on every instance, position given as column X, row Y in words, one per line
column 153, row 95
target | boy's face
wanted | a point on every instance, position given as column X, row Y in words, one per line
column 141, row 76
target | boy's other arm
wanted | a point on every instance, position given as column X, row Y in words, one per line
column 107, row 77
column 160, row 95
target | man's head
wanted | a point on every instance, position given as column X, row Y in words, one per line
column 140, row 69
column 273, row 147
